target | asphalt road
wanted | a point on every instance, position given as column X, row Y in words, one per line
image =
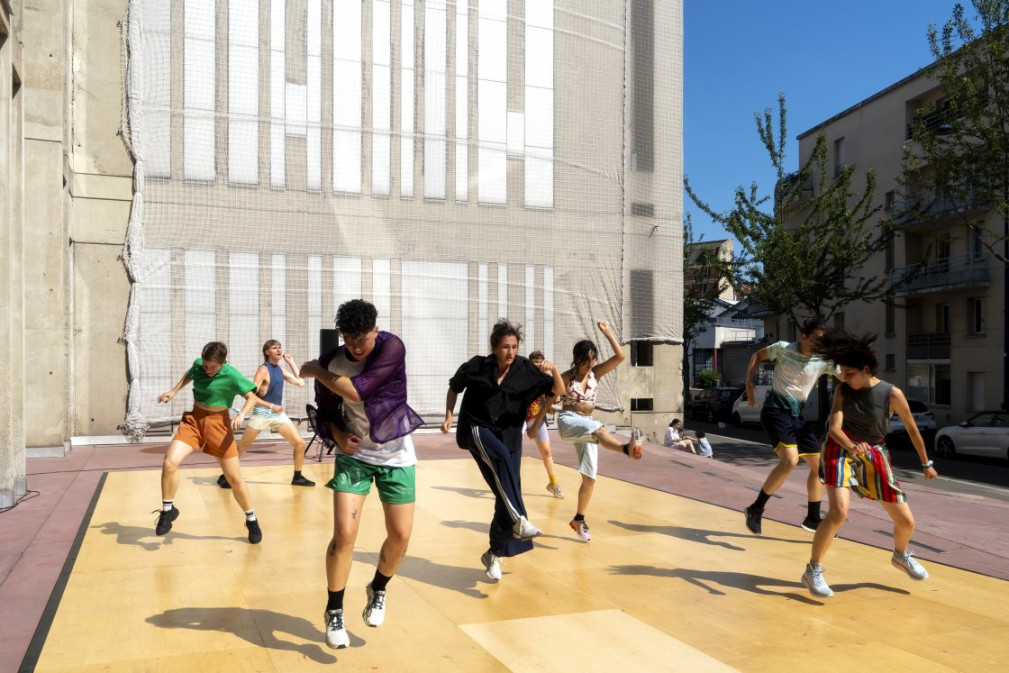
column 748, row 445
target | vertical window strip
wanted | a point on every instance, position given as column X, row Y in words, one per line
column 406, row 100
column 313, row 93
column 314, row 303
column 156, row 138
column 244, row 346
column 435, row 83
column 381, row 98
column 462, row 100
column 278, row 94
column 243, row 92
column 278, row 298
column 539, row 104
column 347, row 96
column 199, row 77
column 492, row 101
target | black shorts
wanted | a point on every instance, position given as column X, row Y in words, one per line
column 784, row 429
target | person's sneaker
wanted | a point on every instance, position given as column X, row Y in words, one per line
column 492, row 564
column 525, row 530
column 222, row 481
column 581, row 529
column 637, row 439
column 300, row 480
column 913, row 569
column 165, row 519
column 753, row 519
column 809, row 524
column 555, row 489
column 336, row 633
column 255, row 532
column 813, row 579
column 374, row 611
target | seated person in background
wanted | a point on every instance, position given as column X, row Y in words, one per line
column 675, row 440
column 703, row 446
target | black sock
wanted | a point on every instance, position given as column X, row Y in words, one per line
column 579, row 517
column 627, row 449
column 761, row 500
column 379, row 581
column 335, row 600
column 814, row 509
column 297, row 474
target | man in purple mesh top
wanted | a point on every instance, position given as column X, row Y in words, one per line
column 361, row 393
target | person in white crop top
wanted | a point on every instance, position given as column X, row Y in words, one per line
column 576, row 425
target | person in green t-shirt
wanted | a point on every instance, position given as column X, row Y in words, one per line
column 209, row 427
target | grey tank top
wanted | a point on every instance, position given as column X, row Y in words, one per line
column 866, row 411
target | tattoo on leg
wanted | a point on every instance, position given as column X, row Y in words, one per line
column 331, row 550
column 381, row 556
column 353, row 514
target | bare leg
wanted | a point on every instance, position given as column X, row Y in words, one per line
column 608, row 440
column 788, row 458
column 903, row 524
column 398, row 526
column 233, row 473
column 839, row 499
column 248, row 437
column 814, row 487
column 585, row 493
column 548, row 459
column 290, row 433
column 177, row 452
column 340, row 552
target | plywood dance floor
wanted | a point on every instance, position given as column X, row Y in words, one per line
column 667, row 584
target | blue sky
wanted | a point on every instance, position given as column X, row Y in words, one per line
column 824, row 56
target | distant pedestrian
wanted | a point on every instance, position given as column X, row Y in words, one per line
column 703, row 446
column 674, row 438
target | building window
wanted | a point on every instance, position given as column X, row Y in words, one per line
column 942, row 318
column 975, row 316
column 641, row 404
column 976, row 243
column 975, row 391
column 889, row 328
column 929, row 383
column 839, row 320
column 891, row 362
column 643, row 93
column 642, row 354
column 839, row 158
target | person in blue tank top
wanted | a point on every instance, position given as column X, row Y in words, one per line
column 269, row 380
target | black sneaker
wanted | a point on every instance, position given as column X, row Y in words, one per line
column 255, row 533
column 165, row 519
column 753, row 519
column 809, row 524
column 299, row 480
column 222, row 481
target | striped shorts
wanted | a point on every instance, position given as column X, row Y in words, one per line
column 870, row 476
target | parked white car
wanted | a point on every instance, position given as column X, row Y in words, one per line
column 897, row 437
column 743, row 413
column 983, row 434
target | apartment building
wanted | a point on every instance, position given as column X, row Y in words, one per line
column 941, row 336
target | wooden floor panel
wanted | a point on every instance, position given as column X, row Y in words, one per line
column 667, row 583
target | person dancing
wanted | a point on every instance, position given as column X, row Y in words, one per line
column 536, row 430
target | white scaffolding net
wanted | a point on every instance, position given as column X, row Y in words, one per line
column 452, row 163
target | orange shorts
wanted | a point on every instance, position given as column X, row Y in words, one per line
column 209, row 431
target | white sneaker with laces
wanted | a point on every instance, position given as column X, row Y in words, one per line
column 904, row 562
column 525, row 530
column 555, row 489
column 492, row 564
column 336, row 633
column 374, row 611
column 813, row 579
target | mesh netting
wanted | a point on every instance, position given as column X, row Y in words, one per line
column 451, row 163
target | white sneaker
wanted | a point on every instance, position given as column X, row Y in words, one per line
column 492, row 564
column 556, row 490
column 813, row 579
column 525, row 530
column 374, row 612
column 581, row 529
column 904, row 562
column 336, row 633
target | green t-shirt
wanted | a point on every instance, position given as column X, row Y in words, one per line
column 220, row 389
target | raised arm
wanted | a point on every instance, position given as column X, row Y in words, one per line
column 618, row 356
column 899, row 405
column 751, row 371
column 293, row 377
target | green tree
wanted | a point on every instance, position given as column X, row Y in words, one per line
column 805, row 248
column 959, row 161
column 696, row 305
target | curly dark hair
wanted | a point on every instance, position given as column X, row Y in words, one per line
column 583, row 351
column 847, row 350
column 356, row 317
column 504, row 328
column 215, row 351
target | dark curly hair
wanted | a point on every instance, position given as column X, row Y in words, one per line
column 847, row 350
column 582, row 351
column 356, row 317
column 504, row 328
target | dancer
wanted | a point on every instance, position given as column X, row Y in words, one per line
column 208, row 427
column 363, row 397
column 270, row 379
column 499, row 389
column 536, row 428
column 855, row 455
column 797, row 370
column 576, row 425
column 674, row 438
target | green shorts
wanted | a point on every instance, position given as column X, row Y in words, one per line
column 396, row 485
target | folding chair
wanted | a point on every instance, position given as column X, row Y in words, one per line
column 322, row 433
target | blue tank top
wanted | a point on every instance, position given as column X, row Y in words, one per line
column 275, row 394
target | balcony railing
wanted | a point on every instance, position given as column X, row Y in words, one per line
column 941, row 274
column 928, row 346
column 924, row 208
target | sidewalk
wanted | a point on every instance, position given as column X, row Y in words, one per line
column 37, row 537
